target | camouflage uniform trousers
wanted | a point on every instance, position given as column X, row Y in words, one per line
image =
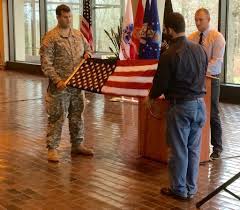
column 59, row 104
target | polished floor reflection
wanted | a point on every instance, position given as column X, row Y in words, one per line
column 115, row 178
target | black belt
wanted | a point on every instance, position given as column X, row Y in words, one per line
column 216, row 75
column 182, row 100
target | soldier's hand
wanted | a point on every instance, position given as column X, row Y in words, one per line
column 86, row 56
column 61, row 85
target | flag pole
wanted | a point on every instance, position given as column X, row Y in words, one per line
column 124, row 99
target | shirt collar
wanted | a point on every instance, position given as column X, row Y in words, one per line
column 71, row 33
column 205, row 33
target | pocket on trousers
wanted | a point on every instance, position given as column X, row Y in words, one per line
column 202, row 115
column 53, row 106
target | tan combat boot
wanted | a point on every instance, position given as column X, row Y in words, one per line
column 80, row 149
column 53, row 155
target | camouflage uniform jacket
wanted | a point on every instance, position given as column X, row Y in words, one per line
column 60, row 54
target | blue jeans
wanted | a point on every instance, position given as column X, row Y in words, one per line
column 184, row 128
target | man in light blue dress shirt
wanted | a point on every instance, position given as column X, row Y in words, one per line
column 214, row 44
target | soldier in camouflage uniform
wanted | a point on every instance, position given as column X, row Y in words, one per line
column 61, row 50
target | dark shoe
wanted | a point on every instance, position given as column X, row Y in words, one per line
column 169, row 192
column 215, row 155
column 80, row 149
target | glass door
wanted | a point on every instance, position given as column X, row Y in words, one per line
column 26, row 30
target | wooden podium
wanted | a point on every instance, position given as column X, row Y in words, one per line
column 152, row 131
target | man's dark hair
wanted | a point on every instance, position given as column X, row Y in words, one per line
column 62, row 8
column 175, row 21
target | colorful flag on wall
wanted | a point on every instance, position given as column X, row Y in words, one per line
column 124, row 77
column 138, row 23
column 126, row 47
column 151, row 32
column 86, row 22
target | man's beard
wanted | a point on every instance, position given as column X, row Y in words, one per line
column 64, row 25
column 167, row 37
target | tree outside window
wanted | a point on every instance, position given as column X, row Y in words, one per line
column 106, row 15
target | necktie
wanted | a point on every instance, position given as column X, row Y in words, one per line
column 201, row 38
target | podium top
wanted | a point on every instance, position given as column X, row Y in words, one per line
column 211, row 77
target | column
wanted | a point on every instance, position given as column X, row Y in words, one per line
column 1, row 37
column 19, row 30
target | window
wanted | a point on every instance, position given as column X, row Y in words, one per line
column 233, row 43
column 107, row 15
column 26, row 30
column 188, row 7
column 75, row 6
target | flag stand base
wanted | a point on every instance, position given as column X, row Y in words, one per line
column 216, row 191
column 124, row 99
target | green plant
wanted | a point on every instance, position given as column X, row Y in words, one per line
column 115, row 38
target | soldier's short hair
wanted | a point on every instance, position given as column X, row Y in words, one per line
column 62, row 8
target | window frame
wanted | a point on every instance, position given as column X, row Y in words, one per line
column 96, row 6
column 53, row 3
column 223, row 28
column 11, row 30
column 44, row 22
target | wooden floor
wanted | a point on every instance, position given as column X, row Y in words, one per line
column 115, row 178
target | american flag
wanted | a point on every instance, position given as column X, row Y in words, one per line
column 86, row 22
column 123, row 78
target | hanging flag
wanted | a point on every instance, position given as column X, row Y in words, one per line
column 126, row 47
column 165, row 38
column 143, row 32
column 122, row 78
column 168, row 9
column 138, row 23
column 151, row 33
column 86, row 22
